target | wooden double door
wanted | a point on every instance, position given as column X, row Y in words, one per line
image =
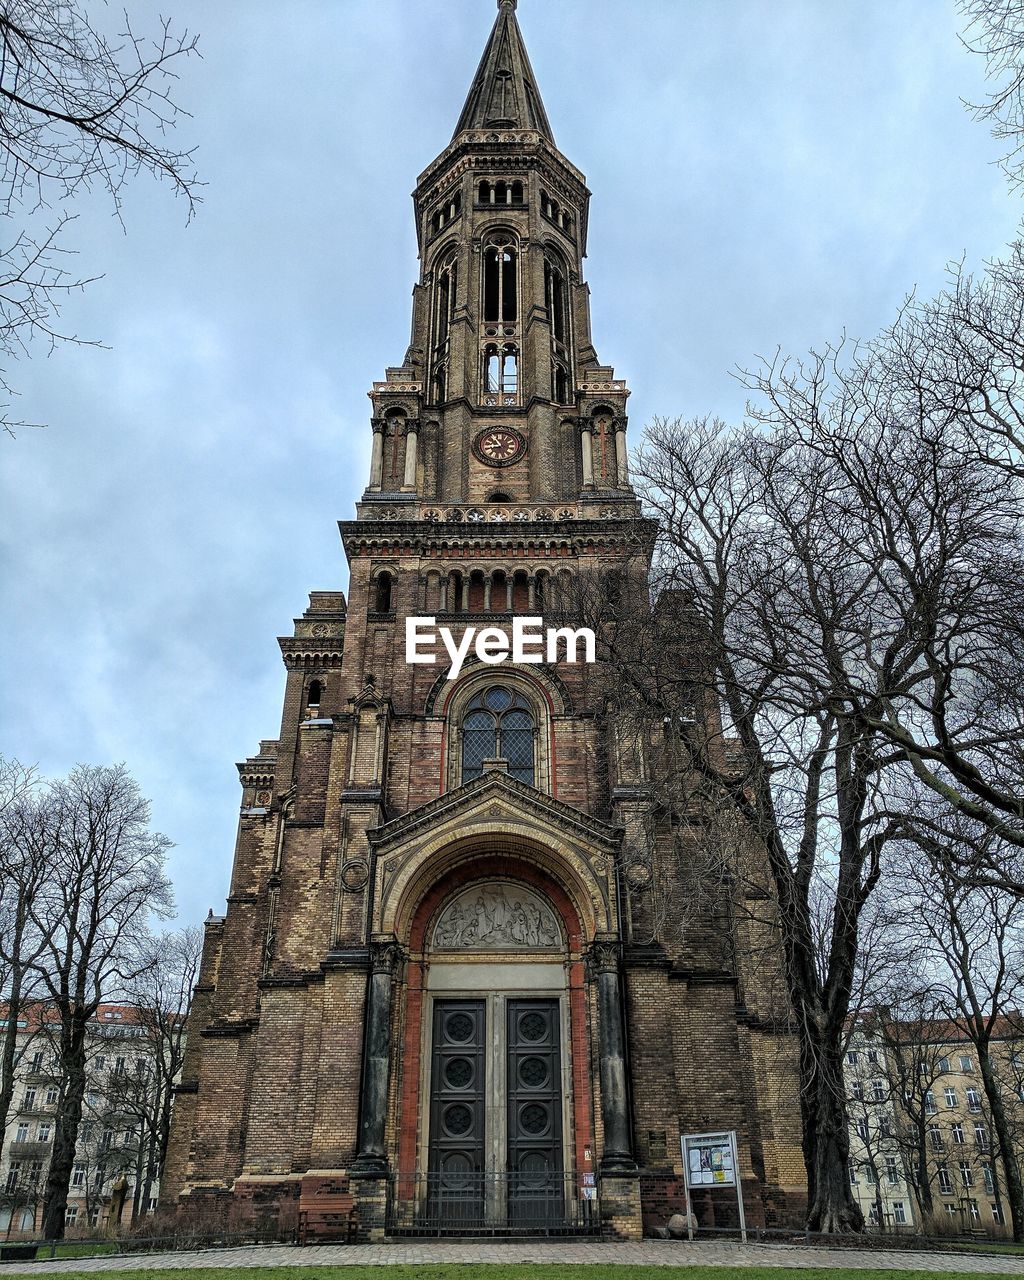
column 496, row 1099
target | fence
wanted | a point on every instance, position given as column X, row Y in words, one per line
column 500, row 1204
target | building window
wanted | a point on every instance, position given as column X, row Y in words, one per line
column 853, row 1171
column 501, row 372
column 383, row 593
column 857, row 1090
column 988, row 1178
column 30, row 1099
column 498, row 725
column 966, row 1173
column 501, row 303
column 973, row 1100
column 929, row 1102
column 851, row 1058
column 997, row 1213
column 51, row 1097
column 119, row 1066
column 862, row 1130
column 945, row 1181
column 965, row 1062
column 943, row 1064
column 13, row 1173
column 313, row 694
column 78, row 1175
column 877, row 1091
column 899, row 1213
column 935, row 1134
column 21, row 1134
column 872, row 1056
column 37, row 1061
column 44, row 1132
column 892, row 1169
column 980, row 1136
column 71, row 1215
column 956, row 1132
column 870, row 1177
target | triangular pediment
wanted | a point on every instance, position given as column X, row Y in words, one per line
column 496, row 797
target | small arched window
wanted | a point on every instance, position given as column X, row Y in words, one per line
column 501, row 369
column 498, row 725
column 382, row 594
column 313, row 695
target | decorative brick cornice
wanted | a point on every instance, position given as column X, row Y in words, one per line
column 310, row 651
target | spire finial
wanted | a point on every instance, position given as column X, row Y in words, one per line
column 507, row 4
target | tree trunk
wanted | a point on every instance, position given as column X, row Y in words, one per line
column 68, row 1119
column 1004, row 1137
column 924, row 1186
column 831, row 1206
column 9, row 1059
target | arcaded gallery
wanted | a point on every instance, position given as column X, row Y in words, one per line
column 438, row 1000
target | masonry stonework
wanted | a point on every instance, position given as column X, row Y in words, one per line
column 338, row 1054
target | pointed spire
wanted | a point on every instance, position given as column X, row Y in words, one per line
column 504, row 93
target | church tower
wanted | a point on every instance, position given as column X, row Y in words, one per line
column 429, row 1000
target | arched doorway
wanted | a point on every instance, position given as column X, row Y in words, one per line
column 495, row 1128
column 495, row 1057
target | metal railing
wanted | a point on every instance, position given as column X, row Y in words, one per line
column 497, row 1204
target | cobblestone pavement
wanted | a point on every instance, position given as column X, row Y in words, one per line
column 647, row 1254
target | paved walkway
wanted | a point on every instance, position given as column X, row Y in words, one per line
column 650, row 1253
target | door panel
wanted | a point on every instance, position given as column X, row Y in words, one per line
column 534, row 1112
column 457, row 1112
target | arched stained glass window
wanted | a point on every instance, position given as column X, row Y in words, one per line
column 498, row 725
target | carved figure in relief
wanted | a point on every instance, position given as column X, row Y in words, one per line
column 486, row 918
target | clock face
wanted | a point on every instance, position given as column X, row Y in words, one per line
column 499, row 446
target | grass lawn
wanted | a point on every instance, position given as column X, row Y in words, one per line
column 515, row 1271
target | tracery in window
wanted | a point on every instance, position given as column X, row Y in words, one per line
column 501, row 280
column 498, row 724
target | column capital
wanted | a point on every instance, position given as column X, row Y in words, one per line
column 605, row 954
column 385, row 953
column 378, row 425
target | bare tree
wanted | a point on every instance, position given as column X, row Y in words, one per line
column 107, row 882
column 922, row 432
column 79, row 109
column 160, row 994
column 995, row 30
column 24, row 869
column 974, row 940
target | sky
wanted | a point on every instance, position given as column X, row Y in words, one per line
column 767, row 174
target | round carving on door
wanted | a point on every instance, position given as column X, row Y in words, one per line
column 532, row 1026
column 459, row 1027
column 533, row 1072
column 533, row 1119
column 458, row 1073
column 458, row 1119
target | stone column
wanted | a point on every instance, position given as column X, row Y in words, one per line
column 531, row 593
column 621, row 456
column 587, row 439
column 617, row 1157
column 509, row 588
column 412, row 431
column 377, row 456
column 465, row 591
column 371, row 1161
column 487, row 593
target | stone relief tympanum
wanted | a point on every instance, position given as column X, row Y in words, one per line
column 497, row 917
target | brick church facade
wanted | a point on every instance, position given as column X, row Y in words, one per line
column 429, row 997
